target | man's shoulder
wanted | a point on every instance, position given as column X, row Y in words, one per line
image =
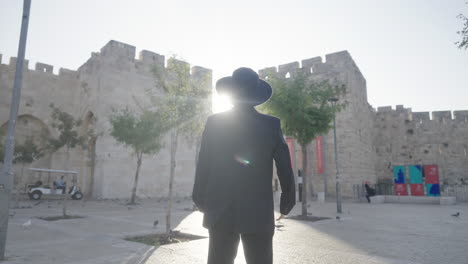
column 219, row 117
column 269, row 118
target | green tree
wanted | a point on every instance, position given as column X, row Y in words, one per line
column 185, row 100
column 463, row 43
column 142, row 133
column 68, row 138
column 302, row 105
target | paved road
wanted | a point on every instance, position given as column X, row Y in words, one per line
column 366, row 233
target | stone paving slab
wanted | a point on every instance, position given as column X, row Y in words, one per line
column 373, row 234
column 365, row 233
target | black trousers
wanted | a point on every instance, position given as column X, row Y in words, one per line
column 224, row 241
column 258, row 247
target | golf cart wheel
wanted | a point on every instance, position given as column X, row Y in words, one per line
column 36, row 195
column 77, row 196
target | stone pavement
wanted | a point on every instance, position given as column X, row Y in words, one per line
column 365, row 233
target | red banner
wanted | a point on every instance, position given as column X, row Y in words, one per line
column 290, row 143
column 417, row 189
column 319, row 154
column 400, row 189
column 431, row 173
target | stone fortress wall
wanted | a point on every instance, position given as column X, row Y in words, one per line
column 403, row 137
column 110, row 79
column 370, row 141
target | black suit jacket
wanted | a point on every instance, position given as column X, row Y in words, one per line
column 235, row 170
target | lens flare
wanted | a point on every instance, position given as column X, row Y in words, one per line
column 242, row 160
column 221, row 103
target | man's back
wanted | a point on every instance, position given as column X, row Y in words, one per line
column 236, row 166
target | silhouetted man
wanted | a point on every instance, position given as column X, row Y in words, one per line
column 233, row 182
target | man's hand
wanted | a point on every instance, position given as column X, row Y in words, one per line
column 280, row 217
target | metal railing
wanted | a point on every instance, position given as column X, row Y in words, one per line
column 458, row 191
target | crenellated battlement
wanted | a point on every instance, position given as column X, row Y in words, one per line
column 39, row 68
column 112, row 51
column 42, row 67
column 122, row 53
column 460, row 116
column 118, row 49
column 335, row 62
column 151, row 58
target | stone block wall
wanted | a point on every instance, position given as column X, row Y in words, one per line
column 403, row 137
column 110, row 79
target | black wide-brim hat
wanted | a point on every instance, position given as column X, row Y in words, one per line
column 245, row 87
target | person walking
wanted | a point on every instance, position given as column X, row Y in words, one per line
column 369, row 191
column 234, row 173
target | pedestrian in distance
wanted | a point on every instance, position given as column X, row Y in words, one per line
column 235, row 169
column 369, row 191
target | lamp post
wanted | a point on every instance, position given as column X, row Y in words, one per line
column 333, row 101
column 6, row 176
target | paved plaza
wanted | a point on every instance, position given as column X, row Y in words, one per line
column 365, row 234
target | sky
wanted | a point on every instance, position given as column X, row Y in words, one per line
column 405, row 49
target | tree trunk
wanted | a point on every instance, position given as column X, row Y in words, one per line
column 197, row 149
column 67, row 167
column 137, row 173
column 304, row 179
column 18, row 188
column 92, row 165
column 174, row 137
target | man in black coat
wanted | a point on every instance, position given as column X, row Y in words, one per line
column 233, row 181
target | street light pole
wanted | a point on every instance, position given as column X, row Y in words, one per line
column 337, row 178
column 6, row 177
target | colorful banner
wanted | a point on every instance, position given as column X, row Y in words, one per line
column 433, row 189
column 431, row 173
column 399, row 174
column 319, row 154
column 290, row 143
column 400, row 189
column 417, row 189
column 415, row 174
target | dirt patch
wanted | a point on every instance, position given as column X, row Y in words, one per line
column 163, row 239
column 55, row 218
column 308, row 218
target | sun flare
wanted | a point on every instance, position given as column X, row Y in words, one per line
column 221, row 103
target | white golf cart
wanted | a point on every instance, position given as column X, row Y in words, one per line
column 36, row 190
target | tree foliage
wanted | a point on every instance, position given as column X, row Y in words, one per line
column 142, row 133
column 184, row 97
column 463, row 43
column 303, row 106
column 67, row 126
column 27, row 152
column 24, row 153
